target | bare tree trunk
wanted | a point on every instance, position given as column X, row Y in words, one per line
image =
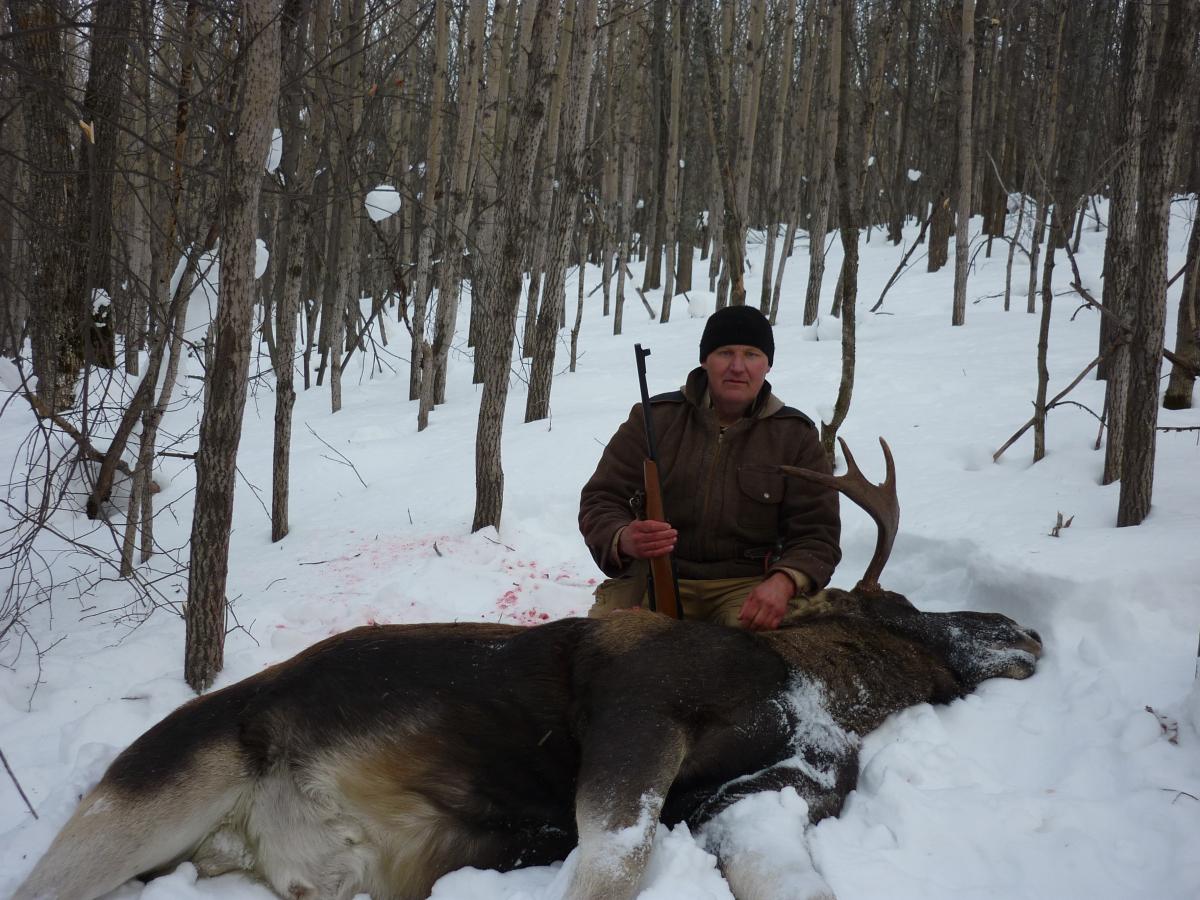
column 167, row 310
column 654, row 139
column 743, row 163
column 823, row 168
column 300, row 151
column 962, row 232
column 581, row 259
column 55, row 278
column 225, row 399
column 673, row 174
column 505, row 285
column 1119, row 255
column 717, row 209
column 564, row 211
column 852, row 170
column 733, row 230
column 775, row 176
column 433, row 390
column 1187, row 328
column 491, row 153
column 908, row 78
column 804, row 109
column 423, row 283
column 545, row 179
column 344, row 289
column 609, row 165
column 1053, row 208
column 628, row 163
column 847, row 164
column 1153, row 218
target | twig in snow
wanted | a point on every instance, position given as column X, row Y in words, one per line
column 1179, row 793
column 20, row 790
column 340, row 455
column 1060, row 525
column 497, row 543
column 1057, row 398
column 1170, row 728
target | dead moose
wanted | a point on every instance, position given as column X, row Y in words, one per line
column 380, row 759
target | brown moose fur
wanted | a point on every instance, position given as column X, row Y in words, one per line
column 382, row 758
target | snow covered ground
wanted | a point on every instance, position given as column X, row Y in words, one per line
column 1082, row 782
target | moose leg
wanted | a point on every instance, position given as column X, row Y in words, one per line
column 628, row 764
column 757, row 830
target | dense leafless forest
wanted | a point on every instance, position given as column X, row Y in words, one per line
column 142, row 140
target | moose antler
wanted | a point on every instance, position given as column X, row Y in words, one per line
column 879, row 501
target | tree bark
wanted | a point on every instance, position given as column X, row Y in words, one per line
column 564, row 211
column 733, row 230
column 1119, row 248
column 1150, row 302
column 1187, row 329
column 433, row 390
column 431, row 191
column 504, row 287
column 546, row 180
column 673, row 174
column 847, row 164
column 962, row 231
column 1049, row 205
column 225, row 399
column 491, row 154
column 55, row 284
column 775, row 176
column 300, row 149
column 824, row 148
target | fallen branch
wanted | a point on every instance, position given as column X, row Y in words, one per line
column 42, row 411
column 20, row 790
column 1057, row 397
column 1126, row 329
column 903, row 262
column 645, row 302
column 341, row 456
column 1087, row 409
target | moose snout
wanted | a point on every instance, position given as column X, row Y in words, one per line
column 1034, row 642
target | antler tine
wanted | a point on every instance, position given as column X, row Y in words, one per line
column 878, row 500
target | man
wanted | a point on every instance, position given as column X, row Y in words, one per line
column 750, row 545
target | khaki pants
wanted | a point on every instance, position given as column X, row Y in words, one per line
column 705, row 600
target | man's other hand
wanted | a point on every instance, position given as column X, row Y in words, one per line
column 646, row 539
column 767, row 604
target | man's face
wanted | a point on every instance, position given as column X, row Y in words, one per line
column 736, row 373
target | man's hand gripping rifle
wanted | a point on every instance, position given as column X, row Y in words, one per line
column 664, row 587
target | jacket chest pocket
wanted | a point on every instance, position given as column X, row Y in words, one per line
column 759, row 496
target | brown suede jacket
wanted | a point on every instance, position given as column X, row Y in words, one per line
column 733, row 520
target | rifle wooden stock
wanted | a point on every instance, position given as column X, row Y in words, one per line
column 662, row 578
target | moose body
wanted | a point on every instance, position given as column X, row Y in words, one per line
column 382, row 758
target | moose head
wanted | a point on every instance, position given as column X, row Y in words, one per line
column 382, row 758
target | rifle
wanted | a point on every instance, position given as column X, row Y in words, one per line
column 664, row 587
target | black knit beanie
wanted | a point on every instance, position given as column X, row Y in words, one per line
column 738, row 325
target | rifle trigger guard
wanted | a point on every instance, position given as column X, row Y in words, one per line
column 637, row 503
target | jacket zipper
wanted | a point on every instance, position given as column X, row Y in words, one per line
column 712, row 471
